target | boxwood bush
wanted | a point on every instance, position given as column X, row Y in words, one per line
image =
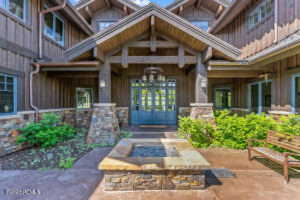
column 46, row 133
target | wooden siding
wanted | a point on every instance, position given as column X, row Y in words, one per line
column 263, row 35
column 16, row 57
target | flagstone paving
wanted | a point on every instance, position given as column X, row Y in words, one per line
column 254, row 181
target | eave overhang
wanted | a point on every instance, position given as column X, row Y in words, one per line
column 140, row 17
column 76, row 18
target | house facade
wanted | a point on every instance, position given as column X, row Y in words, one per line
column 119, row 62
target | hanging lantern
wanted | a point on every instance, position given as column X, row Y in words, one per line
column 153, row 74
column 144, row 78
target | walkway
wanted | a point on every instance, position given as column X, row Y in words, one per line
column 254, row 181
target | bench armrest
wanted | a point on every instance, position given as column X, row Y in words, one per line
column 250, row 141
column 287, row 154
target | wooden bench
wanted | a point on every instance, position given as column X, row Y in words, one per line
column 290, row 143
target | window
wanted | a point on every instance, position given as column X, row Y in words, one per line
column 260, row 96
column 295, row 93
column 201, row 24
column 260, row 13
column 15, row 7
column 8, row 97
column 54, row 27
column 103, row 25
column 223, row 98
column 84, row 97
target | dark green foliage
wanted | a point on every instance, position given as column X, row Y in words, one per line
column 197, row 131
column 47, row 132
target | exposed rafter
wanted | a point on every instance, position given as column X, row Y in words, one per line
column 207, row 54
column 98, row 54
column 198, row 3
column 152, row 59
column 108, row 3
column 88, row 11
column 153, row 35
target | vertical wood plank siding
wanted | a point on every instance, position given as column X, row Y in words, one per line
column 263, row 35
column 25, row 34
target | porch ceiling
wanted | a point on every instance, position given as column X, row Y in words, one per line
column 166, row 23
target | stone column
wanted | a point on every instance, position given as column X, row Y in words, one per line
column 201, row 108
column 104, row 126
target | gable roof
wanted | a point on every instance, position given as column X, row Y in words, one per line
column 167, row 23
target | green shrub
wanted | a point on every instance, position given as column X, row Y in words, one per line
column 198, row 132
column 66, row 163
column 46, row 133
column 126, row 134
column 233, row 131
column 290, row 125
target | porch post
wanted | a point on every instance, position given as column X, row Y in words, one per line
column 105, row 83
column 201, row 108
column 104, row 128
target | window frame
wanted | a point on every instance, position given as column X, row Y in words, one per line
column 92, row 96
column 25, row 10
column 223, row 88
column 293, row 92
column 15, row 93
column 105, row 21
column 260, row 93
column 195, row 21
column 52, row 36
column 258, row 10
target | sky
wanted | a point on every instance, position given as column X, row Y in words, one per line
column 162, row 3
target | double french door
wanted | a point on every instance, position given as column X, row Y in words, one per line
column 153, row 103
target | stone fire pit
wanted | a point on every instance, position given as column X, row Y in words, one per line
column 154, row 164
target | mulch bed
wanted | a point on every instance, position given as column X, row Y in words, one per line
column 44, row 159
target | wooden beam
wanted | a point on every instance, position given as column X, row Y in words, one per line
column 105, row 83
column 125, row 9
column 188, row 49
column 70, row 69
column 108, row 4
column 98, row 54
column 219, row 11
column 88, row 11
column 181, row 58
column 198, row 4
column 70, row 64
column 201, row 83
column 125, row 56
column 153, row 35
column 147, row 44
column 152, row 59
column 180, row 10
column 229, row 74
column 207, row 54
column 233, row 68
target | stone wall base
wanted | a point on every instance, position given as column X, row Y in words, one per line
column 202, row 111
column 104, row 126
column 174, row 180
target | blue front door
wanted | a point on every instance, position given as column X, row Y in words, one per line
column 153, row 103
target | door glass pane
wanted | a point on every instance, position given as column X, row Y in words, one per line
column 254, row 97
column 17, row 7
column 7, row 93
column 135, row 99
column 266, row 96
column 160, row 99
column 146, row 99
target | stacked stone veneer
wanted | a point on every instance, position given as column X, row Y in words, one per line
column 202, row 111
column 154, row 180
column 10, row 124
column 104, row 126
column 123, row 116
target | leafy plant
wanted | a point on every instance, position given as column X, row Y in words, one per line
column 46, row 133
column 233, row 131
column 67, row 163
column 290, row 125
column 126, row 134
column 198, row 132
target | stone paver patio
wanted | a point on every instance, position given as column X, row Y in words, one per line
column 255, row 181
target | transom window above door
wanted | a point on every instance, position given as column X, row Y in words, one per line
column 16, row 7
